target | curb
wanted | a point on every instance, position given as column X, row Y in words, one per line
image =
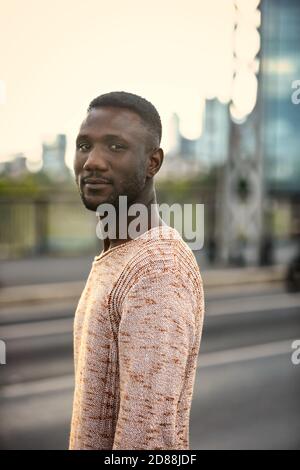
column 212, row 279
column 239, row 276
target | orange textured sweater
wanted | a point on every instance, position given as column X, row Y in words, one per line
column 137, row 334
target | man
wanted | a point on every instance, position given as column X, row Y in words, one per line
column 139, row 320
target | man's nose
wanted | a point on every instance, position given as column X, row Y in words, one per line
column 95, row 161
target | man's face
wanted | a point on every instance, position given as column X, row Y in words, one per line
column 110, row 157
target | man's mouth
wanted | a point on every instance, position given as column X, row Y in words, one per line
column 95, row 183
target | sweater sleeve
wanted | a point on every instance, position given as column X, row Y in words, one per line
column 156, row 335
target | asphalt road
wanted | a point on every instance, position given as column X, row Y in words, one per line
column 247, row 390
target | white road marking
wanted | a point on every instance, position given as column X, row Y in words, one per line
column 219, row 307
column 228, row 356
column 36, row 387
column 245, row 353
column 40, row 328
column 253, row 304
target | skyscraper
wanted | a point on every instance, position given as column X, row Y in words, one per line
column 280, row 67
column 54, row 158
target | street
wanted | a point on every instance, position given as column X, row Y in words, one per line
column 246, row 393
column 116, row 183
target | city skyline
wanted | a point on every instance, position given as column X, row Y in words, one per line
column 50, row 76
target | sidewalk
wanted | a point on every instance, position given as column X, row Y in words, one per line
column 65, row 289
column 44, row 270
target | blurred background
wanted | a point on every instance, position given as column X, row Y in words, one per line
column 225, row 77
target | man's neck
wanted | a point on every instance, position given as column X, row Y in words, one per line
column 154, row 220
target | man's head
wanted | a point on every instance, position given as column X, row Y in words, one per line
column 117, row 149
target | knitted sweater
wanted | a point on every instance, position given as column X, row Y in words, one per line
column 137, row 334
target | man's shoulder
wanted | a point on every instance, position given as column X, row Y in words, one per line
column 159, row 242
column 161, row 248
column 156, row 260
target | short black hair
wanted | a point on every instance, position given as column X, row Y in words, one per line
column 122, row 99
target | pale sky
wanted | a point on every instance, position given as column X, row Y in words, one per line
column 57, row 55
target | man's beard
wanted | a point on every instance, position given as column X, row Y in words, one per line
column 92, row 205
column 132, row 189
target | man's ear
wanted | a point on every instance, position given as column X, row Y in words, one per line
column 155, row 161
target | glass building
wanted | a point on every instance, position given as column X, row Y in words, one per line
column 280, row 67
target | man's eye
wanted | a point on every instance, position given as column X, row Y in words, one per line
column 83, row 146
column 117, row 147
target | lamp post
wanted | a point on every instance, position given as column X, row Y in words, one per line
column 242, row 192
